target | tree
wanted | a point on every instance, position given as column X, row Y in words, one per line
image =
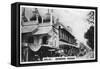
column 89, row 35
column 90, row 18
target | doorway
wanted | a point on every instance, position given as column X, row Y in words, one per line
column 45, row 40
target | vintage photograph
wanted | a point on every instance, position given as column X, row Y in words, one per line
column 52, row 34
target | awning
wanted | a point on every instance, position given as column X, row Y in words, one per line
column 67, row 44
column 31, row 28
column 34, row 47
column 42, row 30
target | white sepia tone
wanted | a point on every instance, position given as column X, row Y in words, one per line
column 56, row 34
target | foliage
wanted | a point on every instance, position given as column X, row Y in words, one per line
column 90, row 36
column 90, row 18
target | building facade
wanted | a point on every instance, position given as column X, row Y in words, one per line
column 43, row 36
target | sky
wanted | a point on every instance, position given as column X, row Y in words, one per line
column 75, row 18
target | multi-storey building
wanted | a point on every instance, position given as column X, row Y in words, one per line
column 44, row 32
